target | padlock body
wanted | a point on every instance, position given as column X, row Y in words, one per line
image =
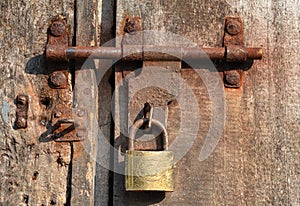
column 149, row 171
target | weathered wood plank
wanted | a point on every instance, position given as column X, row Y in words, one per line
column 85, row 95
column 32, row 172
column 105, row 29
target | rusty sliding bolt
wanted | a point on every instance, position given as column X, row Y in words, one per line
column 148, row 52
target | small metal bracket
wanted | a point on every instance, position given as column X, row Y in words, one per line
column 58, row 70
column 22, row 111
column 68, row 125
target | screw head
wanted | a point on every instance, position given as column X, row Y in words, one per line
column 233, row 27
column 58, row 79
column 80, row 134
column 57, row 28
column 232, row 77
column 80, row 113
column 86, row 91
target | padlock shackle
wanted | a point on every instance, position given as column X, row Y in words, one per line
column 138, row 124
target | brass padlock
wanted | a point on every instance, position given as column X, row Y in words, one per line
column 149, row 170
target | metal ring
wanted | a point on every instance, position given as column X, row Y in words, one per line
column 138, row 124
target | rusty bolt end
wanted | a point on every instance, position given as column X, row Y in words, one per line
column 58, row 79
column 57, row 28
column 233, row 27
column 233, row 78
column 21, row 123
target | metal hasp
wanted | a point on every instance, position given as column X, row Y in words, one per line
column 233, row 34
column 22, row 111
column 65, row 121
column 233, row 50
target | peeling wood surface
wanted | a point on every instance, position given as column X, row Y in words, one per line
column 256, row 161
column 32, row 172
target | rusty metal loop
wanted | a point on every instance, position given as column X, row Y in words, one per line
column 68, row 121
column 138, row 124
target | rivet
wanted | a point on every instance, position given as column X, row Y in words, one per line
column 86, row 91
column 233, row 27
column 232, row 77
column 80, row 134
column 57, row 28
column 80, row 113
column 58, row 78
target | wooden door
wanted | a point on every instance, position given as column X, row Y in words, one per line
column 256, row 160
